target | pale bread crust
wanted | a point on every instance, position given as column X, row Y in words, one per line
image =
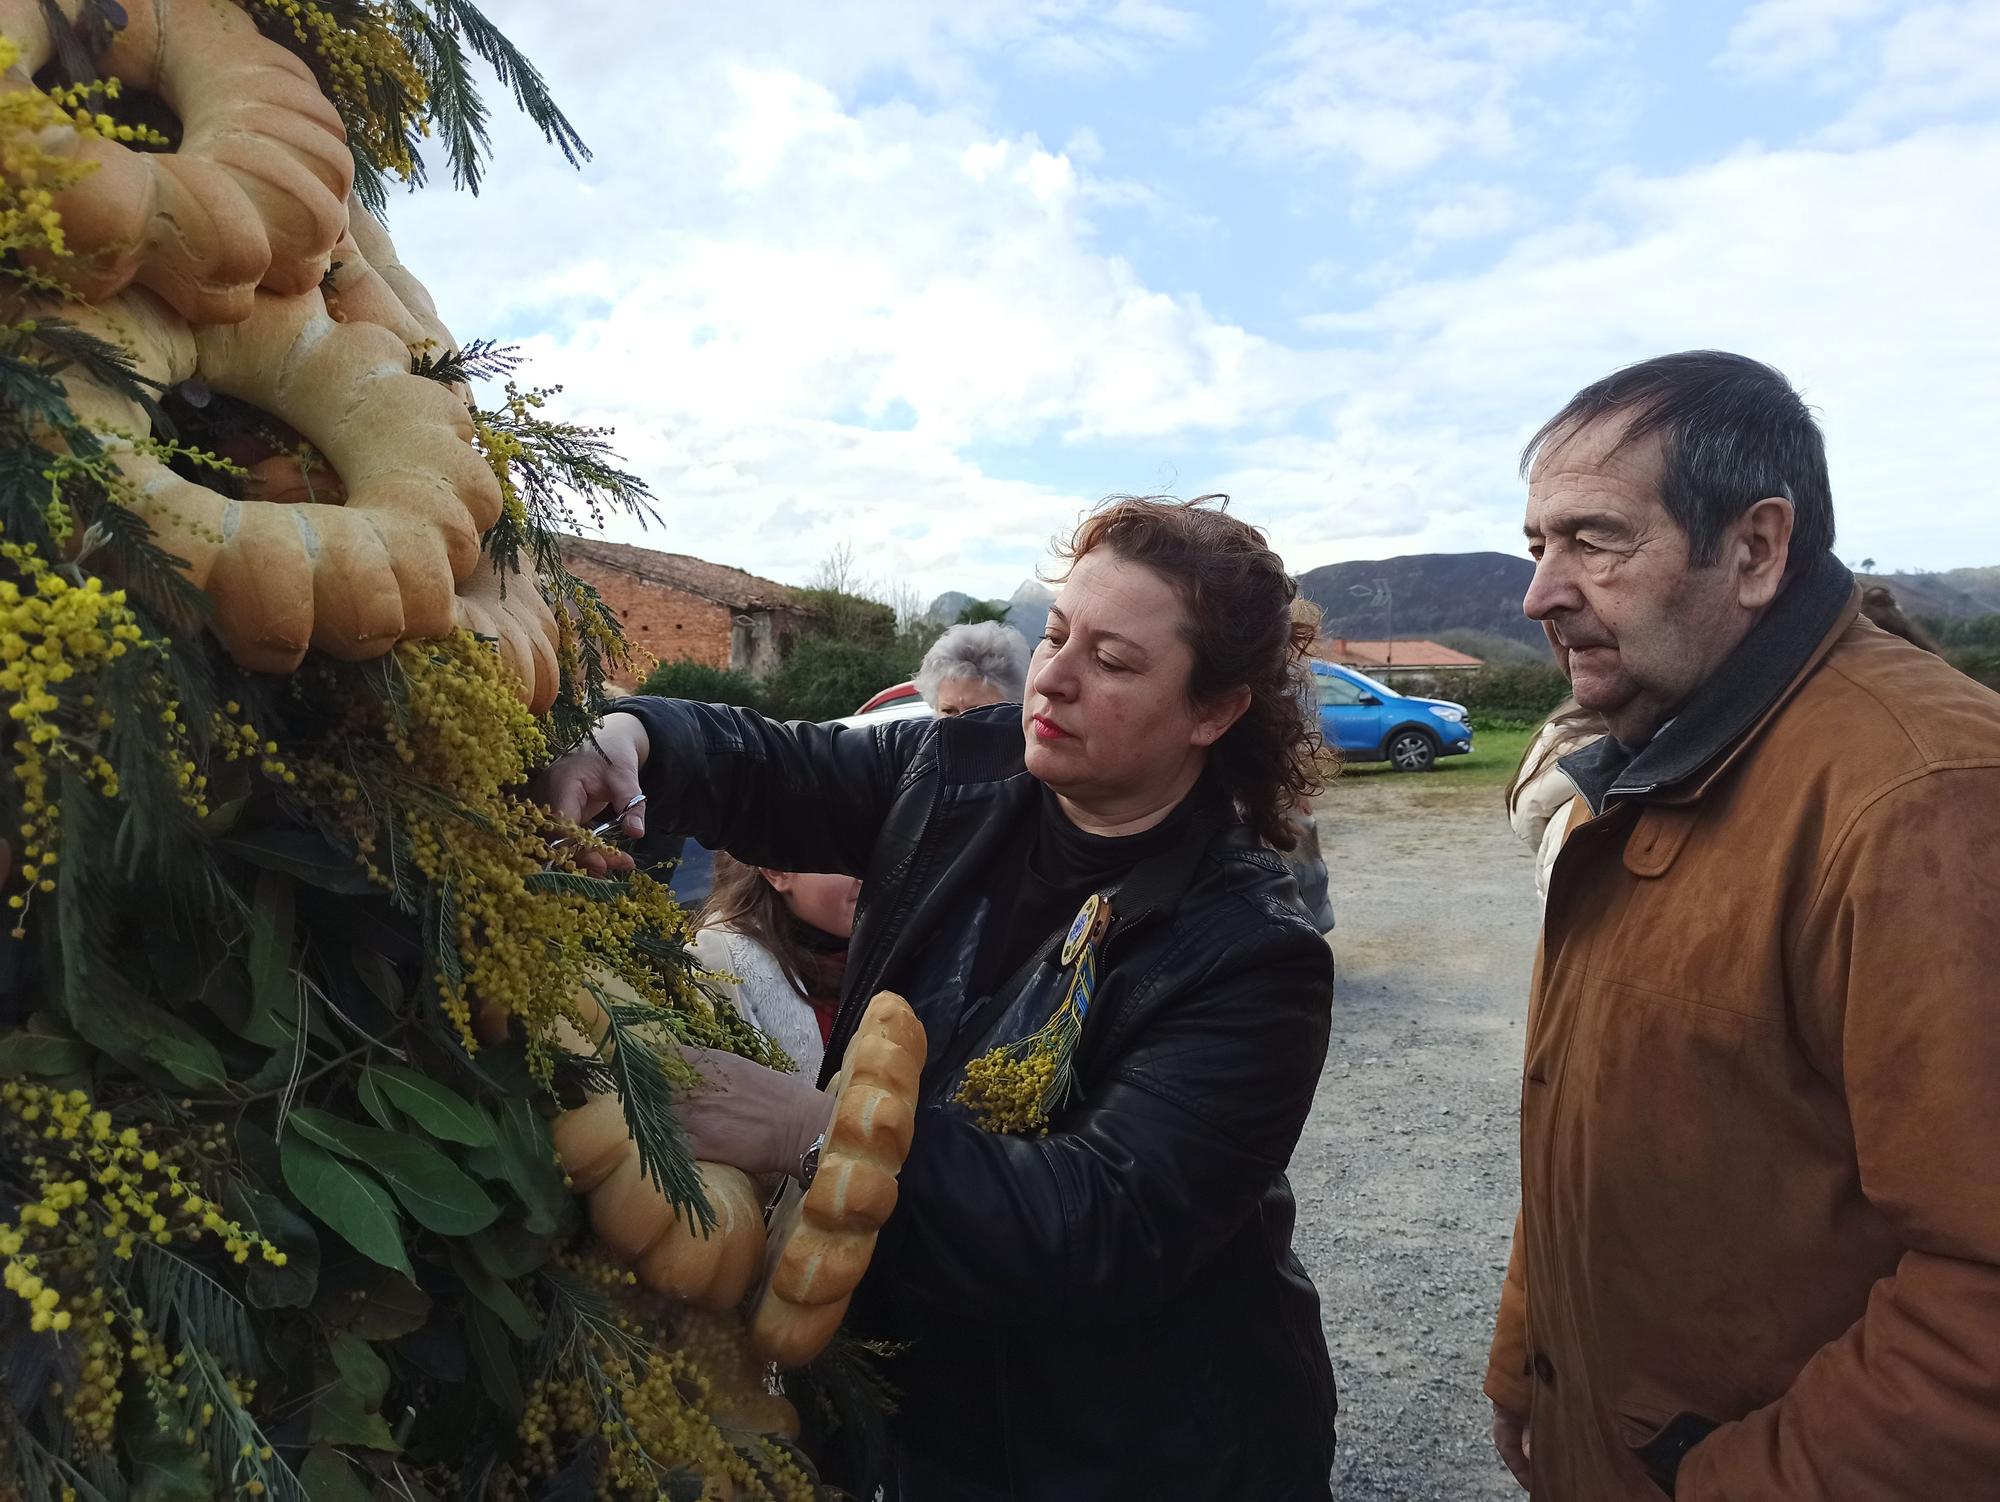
column 820, row 1242
column 255, row 194
column 665, row 1247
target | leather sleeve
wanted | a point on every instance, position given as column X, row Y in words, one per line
column 1508, row 1380
column 1898, row 968
column 798, row 796
column 1107, row 1217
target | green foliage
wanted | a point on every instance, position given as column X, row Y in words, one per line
column 1524, row 693
column 824, row 677
column 686, row 679
column 1979, row 663
column 1966, row 631
column 980, row 611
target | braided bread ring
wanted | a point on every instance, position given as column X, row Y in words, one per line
column 254, row 195
column 820, row 1242
column 351, row 580
column 501, row 604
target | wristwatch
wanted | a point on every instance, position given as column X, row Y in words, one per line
column 809, row 1161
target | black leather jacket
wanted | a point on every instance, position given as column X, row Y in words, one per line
column 1113, row 1310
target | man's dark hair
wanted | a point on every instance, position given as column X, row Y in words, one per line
column 1732, row 431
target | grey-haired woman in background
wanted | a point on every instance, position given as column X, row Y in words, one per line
column 972, row 666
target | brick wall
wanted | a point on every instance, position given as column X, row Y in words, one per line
column 660, row 619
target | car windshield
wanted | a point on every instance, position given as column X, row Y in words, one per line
column 1370, row 684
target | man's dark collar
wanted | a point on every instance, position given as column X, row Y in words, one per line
column 1729, row 701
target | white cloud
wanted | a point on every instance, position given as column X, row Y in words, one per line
column 816, row 311
column 1396, row 90
column 776, row 297
column 1862, row 275
column 1472, row 214
column 1887, row 67
column 1777, row 37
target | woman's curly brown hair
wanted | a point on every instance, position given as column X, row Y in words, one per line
column 1244, row 632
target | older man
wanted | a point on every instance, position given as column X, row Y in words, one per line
column 1758, row 1255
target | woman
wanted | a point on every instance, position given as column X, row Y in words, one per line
column 1113, row 1309
column 972, row 666
column 784, row 935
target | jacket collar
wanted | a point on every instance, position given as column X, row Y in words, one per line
column 1723, row 716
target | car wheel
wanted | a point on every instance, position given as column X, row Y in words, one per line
column 1412, row 751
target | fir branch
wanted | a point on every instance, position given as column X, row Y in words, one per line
column 454, row 101
column 42, row 1471
column 512, row 68
column 99, row 359
column 576, row 884
column 237, row 1447
column 157, row 578
column 481, row 360
column 646, row 1095
column 209, row 1315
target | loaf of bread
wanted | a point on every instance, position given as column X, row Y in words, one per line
column 820, row 1242
column 351, row 579
column 664, row 1246
column 253, row 195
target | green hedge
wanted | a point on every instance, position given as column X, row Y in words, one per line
column 1522, row 694
column 687, row 679
column 823, row 678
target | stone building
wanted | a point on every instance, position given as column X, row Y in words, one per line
column 676, row 607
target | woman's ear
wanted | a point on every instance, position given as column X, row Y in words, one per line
column 1212, row 720
column 780, row 881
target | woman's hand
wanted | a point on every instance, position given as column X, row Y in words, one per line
column 750, row 1117
column 601, row 773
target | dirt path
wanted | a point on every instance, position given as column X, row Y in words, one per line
column 1406, row 1174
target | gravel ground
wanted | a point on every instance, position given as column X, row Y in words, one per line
column 1407, row 1173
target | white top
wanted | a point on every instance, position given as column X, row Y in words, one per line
column 1542, row 806
column 762, row 994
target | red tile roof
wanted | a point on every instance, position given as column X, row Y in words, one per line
column 1400, row 654
column 695, row 576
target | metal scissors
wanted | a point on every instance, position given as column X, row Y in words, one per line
column 610, row 830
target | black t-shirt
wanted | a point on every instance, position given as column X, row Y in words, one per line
column 1059, row 868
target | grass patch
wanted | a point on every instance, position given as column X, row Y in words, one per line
column 1490, row 763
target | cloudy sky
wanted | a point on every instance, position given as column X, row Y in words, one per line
column 929, row 276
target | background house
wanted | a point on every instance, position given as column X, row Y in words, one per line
column 677, row 607
column 1391, row 660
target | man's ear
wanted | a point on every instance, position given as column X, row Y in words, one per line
column 1763, row 546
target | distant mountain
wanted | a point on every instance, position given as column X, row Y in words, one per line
column 1426, row 593
column 1028, row 610
column 947, row 607
column 1435, row 594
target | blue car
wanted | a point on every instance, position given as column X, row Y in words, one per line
column 1370, row 721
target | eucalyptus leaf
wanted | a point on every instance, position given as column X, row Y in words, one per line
column 327, row 1477
column 374, row 1102
column 368, row 1300
column 438, row 1110
column 351, row 1202
column 138, row 1033
column 352, row 1383
column 274, row 985
column 44, row 1046
column 304, row 855
column 524, row 1159
column 265, row 1285
column 436, row 1192
column 495, row 1357
column 522, row 1323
